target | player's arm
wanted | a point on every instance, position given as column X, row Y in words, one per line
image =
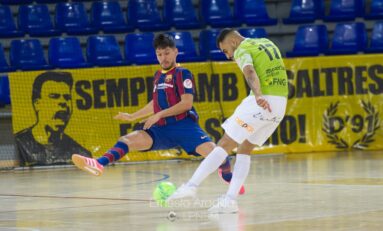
column 143, row 112
column 255, row 86
column 252, row 80
column 245, row 63
column 184, row 105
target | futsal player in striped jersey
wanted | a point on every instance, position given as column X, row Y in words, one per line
column 173, row 120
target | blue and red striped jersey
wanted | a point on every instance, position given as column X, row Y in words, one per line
column 168, row 88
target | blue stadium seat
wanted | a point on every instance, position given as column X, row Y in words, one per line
column 253, row 32
column 28, row 55
column 104, row 50
column 5, row 96
column 253, row 13
column 109, row 17
column 49, row 1
column 186, row 48
column 139, row 48
column 348, row 38
column 217, row 13
column 376, row 44
column 305, row 11
column 208, row 47
column 181, row 14
column 66, row 53
column 144, row 15
column 345, row 10
column 35, row 20
column 310, row 40
column 376, row 10
column 7, row 25
column 16, row 2
column 72, row 19
column 4, row 67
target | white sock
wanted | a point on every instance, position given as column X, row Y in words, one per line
column 208, row 166
column 240, row 172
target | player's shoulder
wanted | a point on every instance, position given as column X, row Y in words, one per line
column 183, row 70
column 251, row 43
column 157, row 71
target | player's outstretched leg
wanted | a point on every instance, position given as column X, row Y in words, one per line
column 207, row 166
column 183, row 192
column 228, row 202
column 96, row 166
column 88, row 164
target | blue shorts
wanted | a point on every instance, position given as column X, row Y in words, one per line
column 185, row 133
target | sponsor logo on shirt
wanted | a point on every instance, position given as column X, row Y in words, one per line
column 162, row 86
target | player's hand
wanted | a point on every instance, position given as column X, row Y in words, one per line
column 262, row 102
column 124, row 116
column 152, row 120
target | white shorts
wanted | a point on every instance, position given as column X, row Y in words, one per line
column 253, row 123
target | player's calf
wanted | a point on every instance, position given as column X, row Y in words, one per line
column 224, row 172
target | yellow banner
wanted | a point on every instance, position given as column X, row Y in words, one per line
column 335, row 103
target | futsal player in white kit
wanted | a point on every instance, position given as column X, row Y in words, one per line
column 253, row 121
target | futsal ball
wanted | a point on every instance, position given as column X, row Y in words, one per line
column 162, row 191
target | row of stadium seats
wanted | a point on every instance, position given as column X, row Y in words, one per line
column 108, row 16
column 20, row 2
column 72, row 18
column 307, row 11
column 348, row 38
column 104, row 50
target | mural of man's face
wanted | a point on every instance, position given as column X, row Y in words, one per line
column 54, row 107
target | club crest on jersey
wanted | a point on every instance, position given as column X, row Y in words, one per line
column 188, row 83
column 168, row 78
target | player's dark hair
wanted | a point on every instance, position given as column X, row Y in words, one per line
column 163, row 41
column 63, row 77
column 222, row 35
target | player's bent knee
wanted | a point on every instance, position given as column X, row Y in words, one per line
column 227, row 143
column 124, row 139
column 205, row 148
column 246, row 147
column 137, row 140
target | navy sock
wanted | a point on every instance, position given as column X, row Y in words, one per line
column 117, row 152
column 226, row 170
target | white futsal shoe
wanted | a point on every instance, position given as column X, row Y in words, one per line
column 183, row 192
column 224, row 204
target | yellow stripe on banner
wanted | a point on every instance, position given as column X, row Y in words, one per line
column 335, row 103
